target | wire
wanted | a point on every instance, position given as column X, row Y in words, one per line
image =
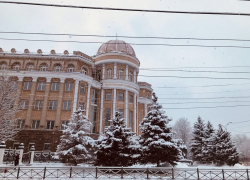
column 240, row 122
column 193, row 77
column 209, row 98
column 196, row 67
column 134, row 10
column 140, row 44
column 209, row 107
column 195, row 71
column 132, row 37
column 206, row 86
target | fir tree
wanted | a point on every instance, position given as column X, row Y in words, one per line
column 224, row 149
column 115, row 148
column 75, row 144
column 208, row 151
column 197, row 145
column 156, row 140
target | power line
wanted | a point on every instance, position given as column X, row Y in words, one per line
column 246, row 72
column 136, row 44
column 209, row 107
column 132, row 37
column 240, row 122
column 207, row 102
column 217, row 85
column 196, row 67
column 193, row 77
column 134, row 10
column 209, row 98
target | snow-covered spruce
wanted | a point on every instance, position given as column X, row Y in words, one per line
column 208, row 149
column 156, row 140
column 115, row 147
column 75, row 144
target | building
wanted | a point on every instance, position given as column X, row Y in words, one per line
column 54, row 85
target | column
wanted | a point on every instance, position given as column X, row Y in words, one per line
column 101, row 111
column 20, row 148
column 31, row 99
column 59, row 102
column 103, row 71
column 2, row 149
column 19, row 87
column 145, row 109
column 137, row 115
column 45, row 103
column 75, row 95
column 126, row 108
column 126, row 72
column 88, row 100
column 32, row 154
column 114, row 103
column 134, row 76
column 115, row 70
column 134, row 122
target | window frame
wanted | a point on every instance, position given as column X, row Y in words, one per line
column 130, row 98
column 29, row 68
column 82, row 89
column 120, row 96
column 106, row 122
column 57, row 68
column 71, row 69
column 27, row 85
column 55, row 86
column 22, row 105
column 50, row 124
column 44, row 67
column 36, row 123
column 16, row 67
column 68, row 86
column 3, row 66
column 68, row 105
column 52, row 105
column 20, row 123
column 38, row 105
column 106, row 97
column 130, row 76
column 84, row 70
column 41, row 86
column 109, row 73
column 64, row 123
column 81, row 104
column 121, row 74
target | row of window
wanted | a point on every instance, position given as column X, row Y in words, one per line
column 35, row 124
column 54, row 86
column 120, row 74
column 108, row 117
column 120, row 97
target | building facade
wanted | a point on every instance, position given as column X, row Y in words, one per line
column 54, row 85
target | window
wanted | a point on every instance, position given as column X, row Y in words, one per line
column 41, row 86
column 24, row 104
column 120, row 74
column 66, row 105
column 71, row 68
column 52, row 105
column 130, row 119
column 44, row 67
column 69, row 87
column 55, row 86
column 109, row 73
column 84, row 70
column 46, row 147
column 121, row 111
column 27, row 85
column 57, row 68
column 38, row 105
column 120, row 96
column 50, row 124
column 17, row 67
column 130, row 76
column 108, row 96
column 148, row 95
column 64, row 124
column 80, row 105
column 130, row 99
column 20, row 124
column 82, row 89
column 94, row 98
column 35, row 124
column 3, row 66
column 107, row 116
column 30, row 67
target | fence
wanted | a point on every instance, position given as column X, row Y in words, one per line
column 122, row 173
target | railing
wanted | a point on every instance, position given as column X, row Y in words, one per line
column 10, row 155
column 122, row 173
column 26, row 158
column 45, row 156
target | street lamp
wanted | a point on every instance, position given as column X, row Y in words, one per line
column 226, row 125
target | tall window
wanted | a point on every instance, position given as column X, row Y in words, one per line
column 20, row 124
column 38, row 105
column 3, row 66
column 131, row 98
column 108, row 96
column 58, row 68
column 120, row 74
column 27, row 85
column 50, row 124
column 80, row 105
column 24, row 104
column 130, row 76
column 52, row 105
column 30, row 67
column 121, row 111
column 69, row 86
column 64, row 124
column 44, row 67
column 55, row 86
column 120, row 96
column 109, row 73
column 130, row 119
column 66, row 105
column 82, row 89
column 107, row 116
column 35, row 124
column 41, row 86
column 17, row 67
column 71, row 68
column 84, row 70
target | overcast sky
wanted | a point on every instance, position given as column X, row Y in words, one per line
column 82, row 21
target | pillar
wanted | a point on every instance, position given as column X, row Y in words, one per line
column 88, row 100
column 103, row 71
column 75, row 95
column 32, row 154
column 2, row 149
column 134, row 76
column 101, row 111
column 145, row 109
column 45, row 103
column 126, row 72
column 115, row 70
column 31, row 100
column 134, row 120
column 20, row 148
column 114, row 103
column 59, row 102
column 126, row 108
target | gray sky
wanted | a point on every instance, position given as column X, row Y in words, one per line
column 81, row 21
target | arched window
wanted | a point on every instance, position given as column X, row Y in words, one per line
column 148, row 95
column 44, row 67
column 30, row 67
column 3, row 66
column 71, row 68
column 120, row 74
column 130, row 76
column 57, row 68
column 16, row 67
column 84, row 70
column 109, row 73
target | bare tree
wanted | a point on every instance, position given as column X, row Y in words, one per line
column 243, row 144
column 9, row 95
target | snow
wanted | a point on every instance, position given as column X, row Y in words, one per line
column 181, row 165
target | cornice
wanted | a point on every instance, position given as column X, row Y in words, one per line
column 144, row 100
column 146, row 87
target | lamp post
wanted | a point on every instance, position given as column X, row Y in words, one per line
column 226, row 125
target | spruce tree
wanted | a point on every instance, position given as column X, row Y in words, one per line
column 224, row 149
column 197, row 145
column 208, row 152
column 75, row 144
column 115, row 147
column 156, row 140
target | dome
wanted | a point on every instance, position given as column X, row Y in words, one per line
column 116, row 46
